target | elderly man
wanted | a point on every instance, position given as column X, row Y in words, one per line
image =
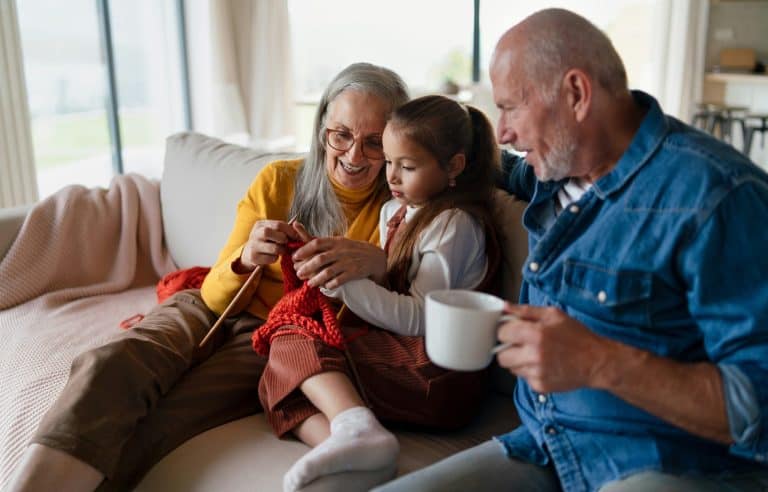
column 642, row 340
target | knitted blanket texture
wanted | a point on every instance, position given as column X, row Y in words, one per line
column 83, row 259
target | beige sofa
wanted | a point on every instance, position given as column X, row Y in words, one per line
column 203, row 179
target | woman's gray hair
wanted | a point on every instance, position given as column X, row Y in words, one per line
column 315, row 204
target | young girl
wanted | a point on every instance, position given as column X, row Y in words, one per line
column 437, row 231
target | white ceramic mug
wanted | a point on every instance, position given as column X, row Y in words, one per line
column 461, row 328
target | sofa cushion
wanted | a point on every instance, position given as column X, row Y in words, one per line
column 246, row 455
column 198, row 168
column 513, row 241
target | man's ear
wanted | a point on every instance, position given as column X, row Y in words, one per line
column 578, row 90
column 456, row 165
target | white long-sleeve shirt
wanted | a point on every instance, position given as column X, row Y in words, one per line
column 450, row 254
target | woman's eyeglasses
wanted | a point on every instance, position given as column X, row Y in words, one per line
column 343, row 140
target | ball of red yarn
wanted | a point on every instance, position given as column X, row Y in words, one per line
column 190, row 278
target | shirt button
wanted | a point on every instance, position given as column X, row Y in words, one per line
column 551, row 431
column 533, row 266
column 602, row 297
column 574, row 209
column 542, row 398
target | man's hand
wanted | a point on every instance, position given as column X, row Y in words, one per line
column 551, row 350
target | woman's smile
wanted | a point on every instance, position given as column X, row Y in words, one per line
column 349, row 168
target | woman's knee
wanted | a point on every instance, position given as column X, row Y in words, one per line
column 136, row 357
column 178, row 324
column 114, row 363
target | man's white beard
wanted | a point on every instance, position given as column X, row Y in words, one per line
column 559, row 161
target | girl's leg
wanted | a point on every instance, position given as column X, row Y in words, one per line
column 292, row 360
column 305, row 378
column 314, row 430
column 331, row 392
column 357, row 440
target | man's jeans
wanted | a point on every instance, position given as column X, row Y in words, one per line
column 486, row 467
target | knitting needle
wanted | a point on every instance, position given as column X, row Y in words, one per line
column 235, row 300
column 232, row 304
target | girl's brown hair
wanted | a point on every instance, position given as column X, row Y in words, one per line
column 445, row 128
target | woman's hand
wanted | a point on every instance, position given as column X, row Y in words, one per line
column 332, row 261
column 266, row 243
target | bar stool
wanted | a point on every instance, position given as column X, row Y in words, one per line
column 733, row 115
column 718, row 119
column 762, row 127
column 705, row 115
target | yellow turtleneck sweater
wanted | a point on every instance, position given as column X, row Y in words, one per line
column 269, row 197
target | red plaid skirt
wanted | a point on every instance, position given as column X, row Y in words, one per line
column 392, row 373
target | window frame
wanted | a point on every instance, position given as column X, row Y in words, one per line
column 113, row 106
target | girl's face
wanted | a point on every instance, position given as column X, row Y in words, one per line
column 355, row 118
column 413, row 174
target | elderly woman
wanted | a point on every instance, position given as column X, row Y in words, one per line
column 154, row 385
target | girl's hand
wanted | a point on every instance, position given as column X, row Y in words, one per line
column 332, row 261
column 266, row 243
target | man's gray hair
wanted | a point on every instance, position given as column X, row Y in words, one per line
column 558, row 40
column 314, row 203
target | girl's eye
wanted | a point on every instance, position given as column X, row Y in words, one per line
column 408, row 168
column 388, row 163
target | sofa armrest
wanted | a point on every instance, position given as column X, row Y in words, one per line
column 10, row 223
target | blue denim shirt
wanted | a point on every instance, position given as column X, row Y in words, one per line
column 668, row 253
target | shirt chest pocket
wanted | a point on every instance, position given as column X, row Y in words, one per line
column 615, row 296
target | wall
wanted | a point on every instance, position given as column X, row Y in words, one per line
column 740, row 24
column 737, row 24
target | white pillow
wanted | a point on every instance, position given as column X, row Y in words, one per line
column 203, row 180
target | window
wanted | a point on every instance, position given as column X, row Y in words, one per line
column 66, row 74
column 425, row 42
column 431, row 41
column 629, row 24
column 149, row 80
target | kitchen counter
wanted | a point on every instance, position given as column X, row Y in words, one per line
column 731, row 77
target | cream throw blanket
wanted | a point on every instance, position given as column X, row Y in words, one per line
column 84, row 260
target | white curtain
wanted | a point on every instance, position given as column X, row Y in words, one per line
column 18, row 179
column 680, row 48
column 250, row 72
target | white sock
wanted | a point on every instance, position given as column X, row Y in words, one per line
column 357, row 442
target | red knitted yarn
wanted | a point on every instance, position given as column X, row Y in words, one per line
column 190, row 278
column 299, row 307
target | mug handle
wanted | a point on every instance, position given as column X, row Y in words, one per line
column 503, row 346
